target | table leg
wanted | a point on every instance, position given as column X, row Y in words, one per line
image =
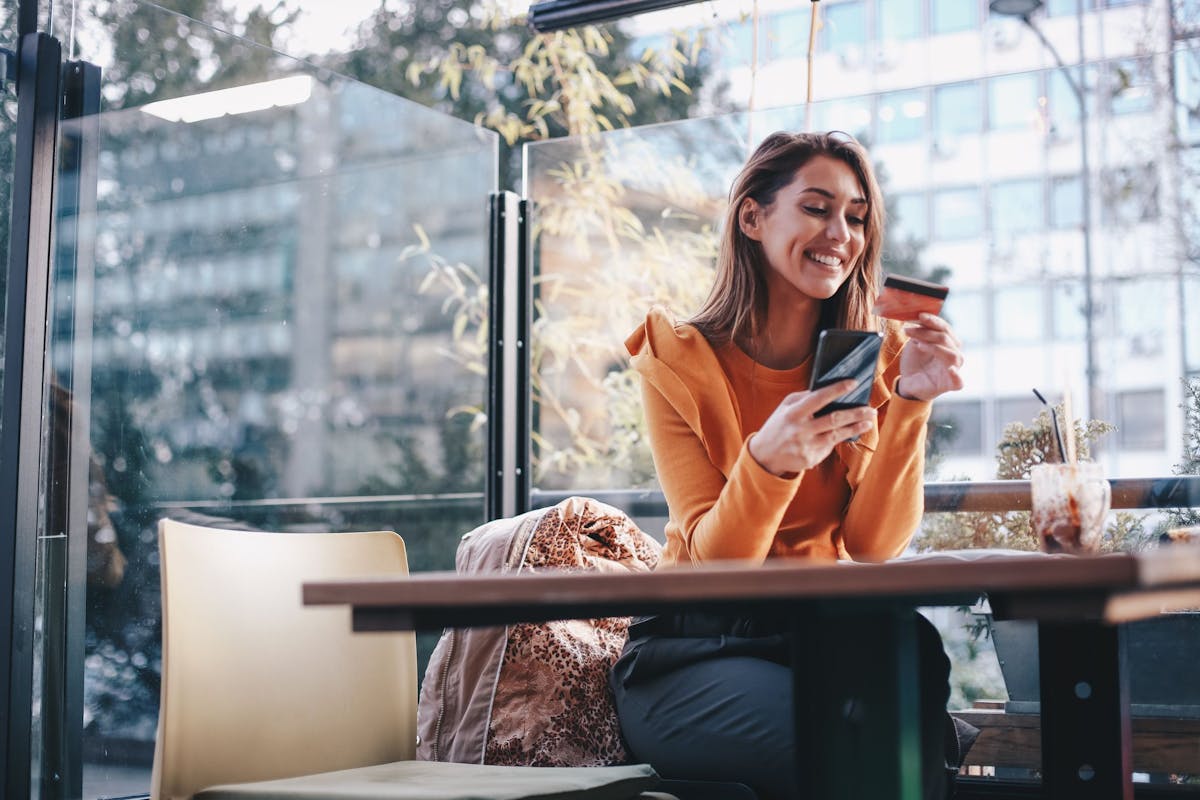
column 1087, row 742
column 858, row 732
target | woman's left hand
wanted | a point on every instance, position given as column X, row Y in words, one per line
column 930, row 360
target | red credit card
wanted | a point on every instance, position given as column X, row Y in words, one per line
column 905, row 299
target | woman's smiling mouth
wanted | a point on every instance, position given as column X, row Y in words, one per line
column 827, row 260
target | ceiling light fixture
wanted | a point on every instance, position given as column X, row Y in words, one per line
column 554, row 15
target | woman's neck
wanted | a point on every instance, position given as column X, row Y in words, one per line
column 786, row 340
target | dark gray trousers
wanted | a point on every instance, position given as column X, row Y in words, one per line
column 718, row 706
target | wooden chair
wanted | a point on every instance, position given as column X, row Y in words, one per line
column 264, row 698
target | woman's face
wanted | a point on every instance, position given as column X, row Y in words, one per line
column 814, row 231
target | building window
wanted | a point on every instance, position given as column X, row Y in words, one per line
column 957, row 109
column 845, row 25
column 1187, row 92
column 910, row 217
column 1130, row 194
column 1070, row 324
column 1066, row 202
column 1013, row 102
column 898, row 19
column 1016, row 409
column 1062, row 102
column 787, row 35
column 967, row 312
column 736, row 44
column 1066, row 8
column 1017, row 206
column 957, row 214
column 902, row 116
column 1019, row 314
column 1186, row 17
column 1191, row 322
column 958, row 427
column 1130, row 85
column 948, row 16
column 1141, row 420
column 1140, row 308
column 852, row 115
column 1189, row 201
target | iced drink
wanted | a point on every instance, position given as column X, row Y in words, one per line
column 1070, row 503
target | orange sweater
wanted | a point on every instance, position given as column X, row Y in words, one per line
column 863, row 502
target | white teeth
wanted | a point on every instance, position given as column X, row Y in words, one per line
column 831, row 261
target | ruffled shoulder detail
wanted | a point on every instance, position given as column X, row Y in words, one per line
column 679, row 362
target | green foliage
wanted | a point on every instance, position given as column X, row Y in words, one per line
column 161, row 55
column 1190, row 465
column 469, row 59
column 1019, row 449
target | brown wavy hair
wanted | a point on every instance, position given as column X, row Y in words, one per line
column 737, row 306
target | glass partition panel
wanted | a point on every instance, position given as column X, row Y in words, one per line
column 8, row 134
column 277, row 260
column 1029, row 244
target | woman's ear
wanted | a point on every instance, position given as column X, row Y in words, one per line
column 749, row 218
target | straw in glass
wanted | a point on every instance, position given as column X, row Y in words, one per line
column 1062, row 448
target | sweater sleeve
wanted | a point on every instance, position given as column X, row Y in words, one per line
column 886, row 505
column 719, row 516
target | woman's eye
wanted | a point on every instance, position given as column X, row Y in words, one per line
column 857, row 221
column 820, row 212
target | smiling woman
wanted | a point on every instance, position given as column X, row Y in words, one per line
column 751, row 470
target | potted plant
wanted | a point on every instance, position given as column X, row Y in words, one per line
column 1162, row 652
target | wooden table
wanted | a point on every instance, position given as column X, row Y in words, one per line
column 1079, row 603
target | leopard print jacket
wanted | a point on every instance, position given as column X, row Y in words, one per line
column 534, row 694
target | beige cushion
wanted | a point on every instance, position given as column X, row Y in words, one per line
column 430, row 780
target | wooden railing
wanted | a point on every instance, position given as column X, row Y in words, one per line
column 1177, row 491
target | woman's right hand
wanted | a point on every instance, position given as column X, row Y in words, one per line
column 793, row 439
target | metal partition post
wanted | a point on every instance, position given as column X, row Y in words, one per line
column 866, row 663
column 25, row 324
column 1085, row 711
column 68, row 465
column 508, row 412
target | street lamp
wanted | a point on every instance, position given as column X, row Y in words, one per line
column 1023, row 9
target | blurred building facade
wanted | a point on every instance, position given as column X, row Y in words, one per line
column 257, row 305
column 976, row 131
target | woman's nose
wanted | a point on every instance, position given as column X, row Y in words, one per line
column 838, row 230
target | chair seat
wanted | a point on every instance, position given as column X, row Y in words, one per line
column 435, row 780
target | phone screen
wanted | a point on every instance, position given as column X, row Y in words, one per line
column 845, row 354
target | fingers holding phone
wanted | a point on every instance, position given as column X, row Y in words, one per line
column 797, row 436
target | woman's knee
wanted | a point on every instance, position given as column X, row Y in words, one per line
column 724, row 719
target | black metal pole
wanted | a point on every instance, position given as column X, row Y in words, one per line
column 27, row 18
column 40, row 62
column 523, row 409
column 507, row 485
column 64, row 572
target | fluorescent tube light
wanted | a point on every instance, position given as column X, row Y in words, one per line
column 238, row 100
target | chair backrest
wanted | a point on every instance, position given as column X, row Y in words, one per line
column 257, row 686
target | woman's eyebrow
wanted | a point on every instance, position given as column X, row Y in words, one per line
column 831, row 196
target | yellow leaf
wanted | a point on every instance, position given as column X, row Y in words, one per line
column 683, row 87
column 420, row 231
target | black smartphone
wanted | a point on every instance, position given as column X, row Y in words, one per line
column 845, row 354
